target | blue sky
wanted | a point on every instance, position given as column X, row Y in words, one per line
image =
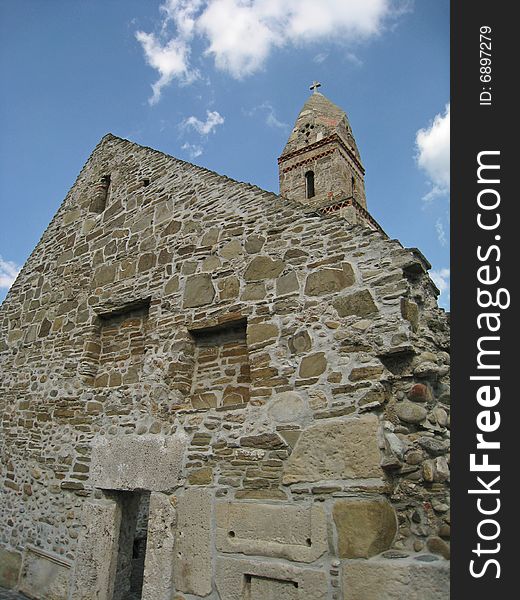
column 220, row 83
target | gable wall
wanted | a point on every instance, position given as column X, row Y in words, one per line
column 348, row 392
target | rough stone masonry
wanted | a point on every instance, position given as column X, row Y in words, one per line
column 214, row 392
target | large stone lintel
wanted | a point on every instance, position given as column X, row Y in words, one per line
column 138, row 462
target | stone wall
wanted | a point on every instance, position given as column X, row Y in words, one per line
column 317, row 457
column 336, row 174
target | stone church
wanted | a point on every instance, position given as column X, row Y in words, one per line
column 210, row 391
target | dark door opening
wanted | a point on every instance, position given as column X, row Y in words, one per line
column 132, row 545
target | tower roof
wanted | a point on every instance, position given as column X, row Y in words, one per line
column 319, row 119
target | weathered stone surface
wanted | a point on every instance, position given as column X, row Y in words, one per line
column 409, row 412
column 44, row 575
column 264, row 440
column 343, row 449
column 288, row 407
column 254, row 244
column 361, row 373
column 132, row 462
column 364, row 527
column 229, row 288
column 10, row 564
column 395, row 580
column 262, row 332
column 105, row 274
column 254, row 291
column 232, row 583
column 297, row 533
column 313, row 365
column 158, row 581
column 360, row 304
column 231, row 250
column 439, row 546
column 300, row 342
column 202, row 476
column 193, row 562
column 96, row 558
column 410, row 312
column 199, row 291
column 263, row 267
column 287, row 284
column 420, row 393
column 328, row 281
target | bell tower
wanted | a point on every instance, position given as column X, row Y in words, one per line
column 320, row 165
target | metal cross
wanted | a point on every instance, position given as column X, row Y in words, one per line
column 315, row 85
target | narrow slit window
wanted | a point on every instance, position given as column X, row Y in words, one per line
column 99, row 201
column 353, row 185
column 309, row 184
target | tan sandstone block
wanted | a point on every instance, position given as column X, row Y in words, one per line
column 235, row 580
column 360, row 304
column 297, row 533
column 364, row 527
column 300, row 342
column 263, row 267
column 10, row 563
column 229, row 288
column 288, row 407
column 254, row 244
column 395, row 580
column 202, row 476
column 137, row 462
column 342, row 449
column 199, row 291
column 262, row 332
column 313, row 365
column 287, row 284
column 410, row 312
column 231, row 250
column 160, row 548
column 328, row 281
column 96, row 556
column 192, row 558
column 44, row 575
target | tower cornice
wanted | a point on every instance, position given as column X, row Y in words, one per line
column 334, row 138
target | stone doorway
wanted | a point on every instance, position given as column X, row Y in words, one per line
column 131, row 553
column 125, row 551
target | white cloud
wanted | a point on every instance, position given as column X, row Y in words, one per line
column 213, row 120
column 8, row 273
column 170, row 60
column 441, row 232
column 321, row 57
column 433, row 153
column 441, row 278
column 193, row 150
column 241, row 34
column 270, row 115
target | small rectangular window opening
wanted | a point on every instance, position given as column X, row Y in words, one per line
column 222, row 375
column 309, row 184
